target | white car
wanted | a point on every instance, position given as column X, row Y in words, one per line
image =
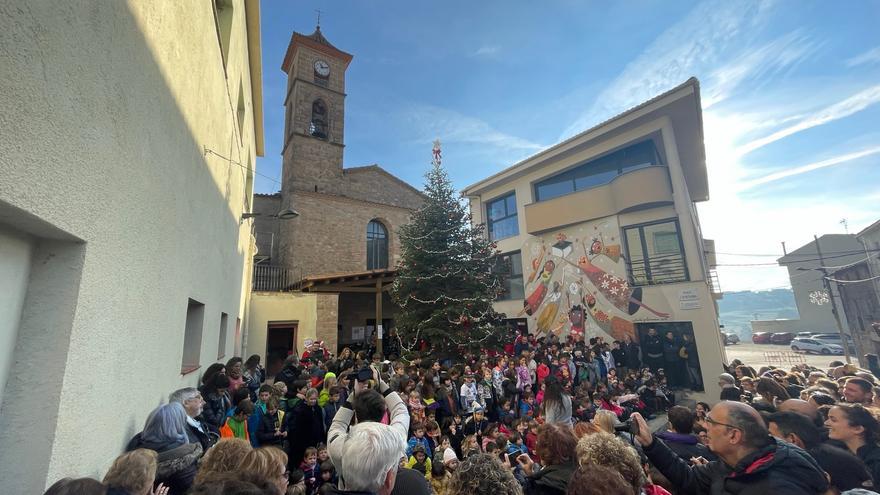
column 817, row 346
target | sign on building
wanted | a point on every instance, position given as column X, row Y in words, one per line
column 689, row 299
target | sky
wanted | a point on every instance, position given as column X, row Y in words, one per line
column 790, row 93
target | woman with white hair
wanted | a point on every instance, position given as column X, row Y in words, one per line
column 165, row 433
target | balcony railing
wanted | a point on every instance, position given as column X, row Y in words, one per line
column 714, row 284
column 274, row 278
column 657, row 269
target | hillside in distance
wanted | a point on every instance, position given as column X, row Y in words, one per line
column 738, row 309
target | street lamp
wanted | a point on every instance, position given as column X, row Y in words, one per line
column 285, row 214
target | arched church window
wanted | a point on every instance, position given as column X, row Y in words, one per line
column 318, row 124
column 377, row 246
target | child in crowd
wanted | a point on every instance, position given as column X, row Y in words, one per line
column 279, row 391
column 527, row 406
column 236, row 426
column 297, row 485
column 328, row 474
column 311, row 470
column 416, row 407
column 420, row 461
column 272, row 427
column 418, row 438
column 323, row 454
column 332, row 406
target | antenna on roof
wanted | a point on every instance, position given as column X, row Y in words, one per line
column 845, row 225
column 318, row 12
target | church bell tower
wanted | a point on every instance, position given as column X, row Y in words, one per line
column 314, row 115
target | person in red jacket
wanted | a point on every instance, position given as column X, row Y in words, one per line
column 542, row 372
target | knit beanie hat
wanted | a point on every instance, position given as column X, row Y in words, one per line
column 449, row 455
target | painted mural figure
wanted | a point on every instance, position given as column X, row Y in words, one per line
column 551, row 308
column 598, row 246
column 615, row 289
column 536, row 298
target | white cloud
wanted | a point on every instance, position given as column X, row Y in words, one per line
column 854, row 104
column 689, row 47
column 486, row 51
column 871, row 56
column 430, row 122
column 790, row 172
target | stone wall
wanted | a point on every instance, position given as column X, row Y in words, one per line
column 328, row 318
column 330, row 235
column 376, row 185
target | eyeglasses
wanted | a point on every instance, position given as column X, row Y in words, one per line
column 712, row 421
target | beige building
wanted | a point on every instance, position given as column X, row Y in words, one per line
column 129, row 136
column 343, row 245
column 804, row 272
column 602, row 234
column 859, row 288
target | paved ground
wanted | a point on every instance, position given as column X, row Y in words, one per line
column 757, row 355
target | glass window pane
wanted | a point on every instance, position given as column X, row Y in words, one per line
column 516, row 264
column 511, row 265
column 504, row 228
column 665, row 258
column 511, row 205
column 636, row 258
column 497, row 210
column 553, row 189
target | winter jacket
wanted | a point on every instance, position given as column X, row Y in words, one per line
column 731, row 393
column 214, row 412
column 550, row 480
column 619, row 357
column 633, row 361
column 652, row 346
column 870, row 455
column 686, row 446
column 305, row 428
column 778, row 469
column 288, row 375
column 424, row 442
column 265, row 431
column 670, row 350
column 176, row 464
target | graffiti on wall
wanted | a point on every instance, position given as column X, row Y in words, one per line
column 577, row 284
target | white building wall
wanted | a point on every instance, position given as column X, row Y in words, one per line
column 15, row 267
column 108, row 110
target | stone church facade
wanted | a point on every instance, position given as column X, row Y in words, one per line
column 348, row 217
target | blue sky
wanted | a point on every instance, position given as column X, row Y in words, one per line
column 790, row 93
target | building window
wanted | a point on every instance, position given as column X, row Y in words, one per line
column 599, row 171
column 221, row 345
column 377, row 246
column 223, row 18
column 655, row 253
column 501, row 213
column 510, row 265
column 318, row 124
column 192, row 336
column 239, row 111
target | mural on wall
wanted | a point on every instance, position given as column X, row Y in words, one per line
column 577, row 284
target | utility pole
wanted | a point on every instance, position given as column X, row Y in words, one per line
column 843, row 340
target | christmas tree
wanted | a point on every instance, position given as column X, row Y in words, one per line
column 447, row 278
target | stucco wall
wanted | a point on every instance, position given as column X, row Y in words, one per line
column 105, row 124
column 15, row 265
column 266, row 307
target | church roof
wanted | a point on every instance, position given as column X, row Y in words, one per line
column 377, row 168
column 316, row 41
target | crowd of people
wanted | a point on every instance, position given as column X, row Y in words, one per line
column 539, row 416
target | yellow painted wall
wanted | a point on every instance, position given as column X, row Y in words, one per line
column 266, row 307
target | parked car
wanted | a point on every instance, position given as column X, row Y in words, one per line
column 804, row 335
column 729, row 338
column 834, row 338
column 813, row 345
column 781, row 338
column 761, row 338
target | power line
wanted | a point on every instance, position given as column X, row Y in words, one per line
column 853, row 281
column 804, row 261
column 230, row 160
column 778, row 255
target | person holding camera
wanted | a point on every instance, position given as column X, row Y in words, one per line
column 367, row 454
column 557, row 451
column 751, row 462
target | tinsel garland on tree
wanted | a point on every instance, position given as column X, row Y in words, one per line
column 447, row 278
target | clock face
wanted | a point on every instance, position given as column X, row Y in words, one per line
column 322, row 68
